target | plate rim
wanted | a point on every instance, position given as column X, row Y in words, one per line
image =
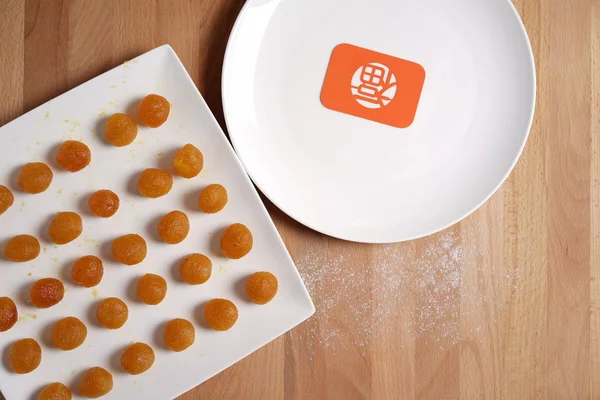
column 399, row 238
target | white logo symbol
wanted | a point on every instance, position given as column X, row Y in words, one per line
column 374, row 85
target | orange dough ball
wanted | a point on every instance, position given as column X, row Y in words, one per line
column 46, row 292
column 6, row 199
column 195, row 269
column 24, row 356
column 73, row 155
column 261, row 287
column 129, row 249
column 34, row 177
column 213, row 198
column 188, row 161
column 65, row 227
column 151, row 289
column 96, row 382
column 220, row 314
column 179, row 334
column 55, row 391
column 120, row 130
column 22, row 248
column 87, row 271
column 154, row 183
column 8, row 314
column 153, row 110
column 112, row 313
column 68, row 333
column 174, row 227
column 104, row 203
column 236, row 241
column 137, row 358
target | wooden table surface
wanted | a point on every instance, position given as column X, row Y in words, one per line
column 504, row 305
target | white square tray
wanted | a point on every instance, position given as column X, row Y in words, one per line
column 80, row 114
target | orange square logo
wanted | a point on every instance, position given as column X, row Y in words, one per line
column 373, row 86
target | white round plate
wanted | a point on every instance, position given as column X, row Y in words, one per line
column 350, row 176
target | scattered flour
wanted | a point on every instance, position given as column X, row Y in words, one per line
column 419, row 288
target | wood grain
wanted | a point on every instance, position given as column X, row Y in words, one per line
column 504, row 305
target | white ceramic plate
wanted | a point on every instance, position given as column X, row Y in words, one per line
column 360, row 180
column 79, row 114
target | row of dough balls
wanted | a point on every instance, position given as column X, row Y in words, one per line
column 173, row 228
column 73, row 156
column 120, row 130
column 69, row 333
column 36, row 177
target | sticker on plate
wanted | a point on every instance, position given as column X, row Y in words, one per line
column 372, row 85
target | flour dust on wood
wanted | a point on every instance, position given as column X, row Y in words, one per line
column 420, row 291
